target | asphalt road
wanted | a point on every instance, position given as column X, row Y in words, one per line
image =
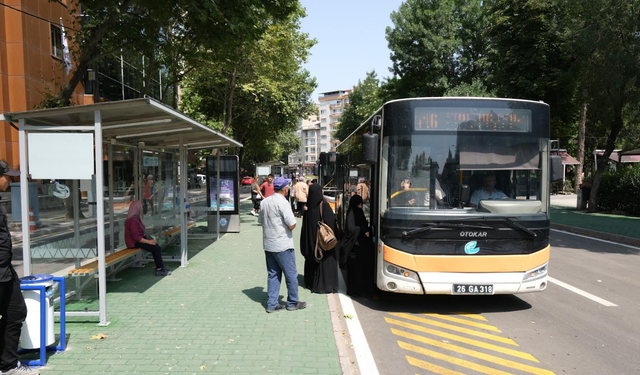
column 558, row 331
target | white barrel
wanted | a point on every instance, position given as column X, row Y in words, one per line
column 30, row 337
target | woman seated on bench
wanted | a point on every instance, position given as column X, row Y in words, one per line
column 135, row 237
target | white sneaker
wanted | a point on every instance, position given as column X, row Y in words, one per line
column 21, row 370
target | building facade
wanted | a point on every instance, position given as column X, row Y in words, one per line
column 317, row 131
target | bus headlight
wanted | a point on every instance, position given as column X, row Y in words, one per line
column 397, row 272
column 536, row 273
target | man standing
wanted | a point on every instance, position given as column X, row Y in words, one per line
column 12, row 306
column 301, row 192
column 267, row 187
column 278, row 223
column 363, row 189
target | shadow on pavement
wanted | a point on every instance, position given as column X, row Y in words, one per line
column 442, row 304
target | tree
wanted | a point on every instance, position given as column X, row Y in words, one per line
column 175, row 33
column 604, row 36
column 435, row 45
column 531, row 59
column 258, row 93
column 364, row 101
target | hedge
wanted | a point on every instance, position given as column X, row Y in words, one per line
column 620, row 190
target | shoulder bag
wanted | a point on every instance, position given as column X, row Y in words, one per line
column 325, row 240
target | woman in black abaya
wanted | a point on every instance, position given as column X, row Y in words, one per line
column 356, row 252
column 320, row 275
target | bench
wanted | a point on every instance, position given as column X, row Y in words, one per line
column 110, row 260
column 175, row 230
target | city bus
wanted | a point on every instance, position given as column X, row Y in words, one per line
column 459, row 194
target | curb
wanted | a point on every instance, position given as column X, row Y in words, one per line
column 597, row 234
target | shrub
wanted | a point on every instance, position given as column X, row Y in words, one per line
column 620, row 190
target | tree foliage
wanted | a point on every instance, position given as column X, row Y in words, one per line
column 258, row 92
column 364, row 100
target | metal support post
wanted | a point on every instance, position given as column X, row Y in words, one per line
column 102, row 276
column 24, row 198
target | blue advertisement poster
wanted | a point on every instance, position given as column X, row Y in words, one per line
column 227, row 194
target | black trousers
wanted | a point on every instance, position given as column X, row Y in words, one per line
column 14, row 312
column 155, row 250
column 301, row 208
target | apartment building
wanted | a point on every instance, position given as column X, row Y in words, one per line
column 331, row 106
column 309, row 133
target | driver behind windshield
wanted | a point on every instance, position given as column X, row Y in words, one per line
column 488, row 191
column 408, row 197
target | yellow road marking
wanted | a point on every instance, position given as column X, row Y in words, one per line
column 471, row 332
column 465, row 340
column 473, row 316
column 432, row 367
column 473, row 353
column 465, row 322
column 453, row 360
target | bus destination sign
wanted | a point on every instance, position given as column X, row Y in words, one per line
column 472, row 119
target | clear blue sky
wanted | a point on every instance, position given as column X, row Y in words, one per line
column 350, row 38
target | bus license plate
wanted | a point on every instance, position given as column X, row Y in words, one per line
column 472, row 289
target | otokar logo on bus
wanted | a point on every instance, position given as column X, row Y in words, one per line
column 473, row 234
column 471, row 248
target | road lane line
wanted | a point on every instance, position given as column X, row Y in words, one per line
column 431, row 367
column 472, row 353
column 465, row 322
column 366, row 363
column 597, row 239
column 453, row 360
column 582, row 293
column 480, row 344
column 472, row 316
column 471, row 332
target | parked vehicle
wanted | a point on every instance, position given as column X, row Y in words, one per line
column 247, row 180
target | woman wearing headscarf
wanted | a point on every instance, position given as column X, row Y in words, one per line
column 356, row 252
column 135, row 236
column 320, row 275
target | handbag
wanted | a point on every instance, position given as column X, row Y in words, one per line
column 325, row 240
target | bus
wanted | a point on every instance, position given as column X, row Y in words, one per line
column 458, row 196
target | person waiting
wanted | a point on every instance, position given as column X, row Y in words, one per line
column 488, row 191
column 135, row 236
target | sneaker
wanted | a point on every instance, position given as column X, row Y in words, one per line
column 21, row 370
column 298, row 306
column 163, row 272
column 277, row 308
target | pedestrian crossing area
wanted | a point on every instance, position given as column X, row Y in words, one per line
column 459, row 344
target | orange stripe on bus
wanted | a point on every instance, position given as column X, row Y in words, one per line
column 466, row 263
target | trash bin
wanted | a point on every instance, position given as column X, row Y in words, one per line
column 30, row 337
column 583, row 198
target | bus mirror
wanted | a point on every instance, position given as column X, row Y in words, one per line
column 376, row 121
column 556, row 168
column 464, row 195
column 370, row 148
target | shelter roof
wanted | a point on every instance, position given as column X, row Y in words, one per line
column 129, row 121
column 566, row 158
column 632, row 156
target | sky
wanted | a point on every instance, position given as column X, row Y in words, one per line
column 351, row 41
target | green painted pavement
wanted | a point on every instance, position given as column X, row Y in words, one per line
column 628, row 226
column 206, row 318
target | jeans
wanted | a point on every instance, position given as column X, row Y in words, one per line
column 155, row 250
column 14, row 312
column 277, row 263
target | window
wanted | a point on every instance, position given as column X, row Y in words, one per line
column 334, row 120
column 306, row 158
column 306, row 149
column 336, row 110
column 324, row 128
column 313, row 149
column 323, row 137
column 323, row 120
column 323, row 145
column 313, row 142
column 313, row 158
column 323, row 111
column 56, row 41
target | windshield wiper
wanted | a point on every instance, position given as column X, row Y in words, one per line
column 428, row 226
column 516, row 225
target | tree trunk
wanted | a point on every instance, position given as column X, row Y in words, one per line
column 616, row 127
column 229, row 103
column 581, row 136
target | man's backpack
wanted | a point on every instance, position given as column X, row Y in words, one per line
column 325, row 240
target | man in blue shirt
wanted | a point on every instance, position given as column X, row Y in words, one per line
column 278, row 223
column 488, row 192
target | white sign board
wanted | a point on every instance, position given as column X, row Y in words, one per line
column 61, row 156
column 263, row 171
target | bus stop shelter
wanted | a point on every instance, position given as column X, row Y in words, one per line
column 68, row 143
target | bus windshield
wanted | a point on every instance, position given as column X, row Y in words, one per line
column 469, row 172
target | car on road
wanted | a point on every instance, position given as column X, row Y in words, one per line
column 247, row 180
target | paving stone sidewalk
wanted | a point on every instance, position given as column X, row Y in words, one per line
column 206, row 318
